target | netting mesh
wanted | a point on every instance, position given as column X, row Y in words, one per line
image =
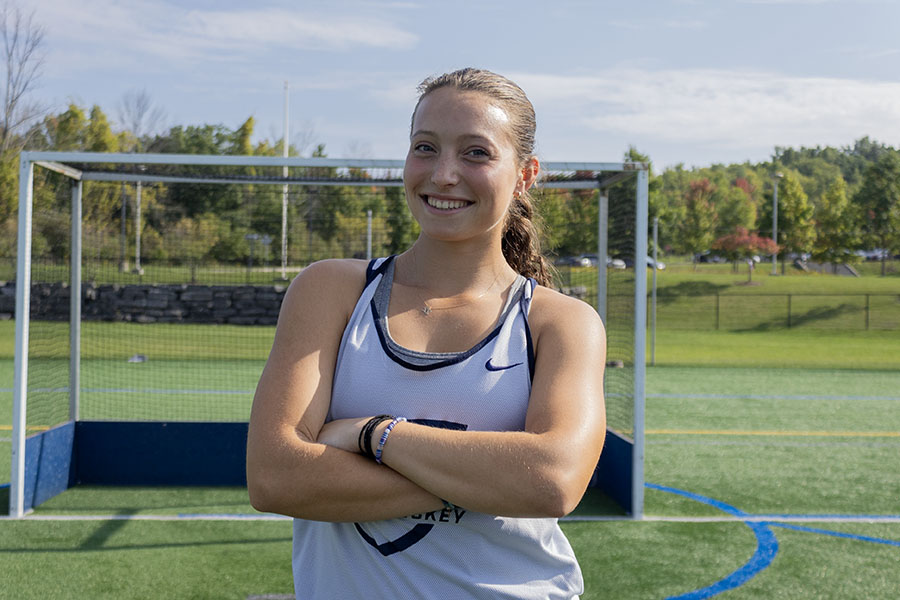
column 182, row 283
column 48, row 341
column 620, row 375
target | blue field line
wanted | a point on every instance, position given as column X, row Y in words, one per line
column 839, row 534
column 766, row 548
column 767, row 397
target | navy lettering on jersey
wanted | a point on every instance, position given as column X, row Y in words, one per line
column 420, row 530
column 401, row 543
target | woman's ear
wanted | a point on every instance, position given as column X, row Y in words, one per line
column 530, row 173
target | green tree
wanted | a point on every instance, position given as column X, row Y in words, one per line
column 402, row 228
column 241, row 143
column 879, row 198
column 67, row 131
column 837, row 227
column 581, row 214
column 192, row 240
column 698, row 227
column 734, row 208
column 796, row 229
column 667, row 203
column 98, row 136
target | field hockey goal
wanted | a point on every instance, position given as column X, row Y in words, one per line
column 147, row 288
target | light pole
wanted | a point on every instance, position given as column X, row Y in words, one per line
column 778, row 175
column 284, row 190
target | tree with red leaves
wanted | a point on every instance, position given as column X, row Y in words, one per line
column 743, row 244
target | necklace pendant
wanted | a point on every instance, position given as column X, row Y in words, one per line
column 426, row 310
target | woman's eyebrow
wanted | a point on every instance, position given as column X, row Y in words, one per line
column 464, row 136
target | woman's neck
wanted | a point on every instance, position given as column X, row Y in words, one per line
column 449, row 269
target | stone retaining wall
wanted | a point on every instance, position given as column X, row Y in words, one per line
column 238, row 305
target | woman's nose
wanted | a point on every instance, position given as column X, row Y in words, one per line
column 446, row 172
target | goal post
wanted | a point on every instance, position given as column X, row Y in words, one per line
column 104, row 390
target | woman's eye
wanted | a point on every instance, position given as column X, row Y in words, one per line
column 478, row 153
column 423, row 147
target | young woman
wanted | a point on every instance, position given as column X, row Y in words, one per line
column 427, row 417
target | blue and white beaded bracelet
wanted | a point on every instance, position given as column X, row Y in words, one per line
column 384, row 436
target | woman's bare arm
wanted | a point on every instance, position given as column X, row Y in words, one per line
column 542, row 471
column 288, row 471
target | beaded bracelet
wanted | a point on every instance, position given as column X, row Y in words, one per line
column 384, row 437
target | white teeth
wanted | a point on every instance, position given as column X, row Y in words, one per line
column 445, row 204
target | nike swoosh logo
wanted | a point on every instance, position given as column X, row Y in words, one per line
column 491, row 367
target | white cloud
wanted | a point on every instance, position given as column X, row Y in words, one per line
column 790, row 1
column 294, row 30
column 723, row 109
column 144, row 30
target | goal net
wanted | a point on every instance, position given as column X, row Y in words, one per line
column 181, row 263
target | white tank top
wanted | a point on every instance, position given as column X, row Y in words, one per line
column 453, row 554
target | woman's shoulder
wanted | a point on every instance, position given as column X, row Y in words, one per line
column 332, row 270
column 568, row 316
column 328, row 284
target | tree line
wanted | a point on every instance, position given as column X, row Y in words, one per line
column 831, row 202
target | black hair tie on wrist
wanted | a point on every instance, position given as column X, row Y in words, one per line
column 365, row 434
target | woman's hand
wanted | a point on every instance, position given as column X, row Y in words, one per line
column 342, row 433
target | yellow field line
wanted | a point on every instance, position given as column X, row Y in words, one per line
column 28, row 428
column 772, row 433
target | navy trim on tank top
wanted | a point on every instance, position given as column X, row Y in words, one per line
column 429, row 361
column 372, row 272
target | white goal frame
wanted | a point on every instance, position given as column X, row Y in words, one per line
column 79, row 167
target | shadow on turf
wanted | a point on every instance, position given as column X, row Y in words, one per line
column 809, row 317
column 95, row 544
column 689, row 288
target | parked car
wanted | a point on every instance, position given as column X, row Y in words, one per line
column 629, row 262
column 708, row 257
column 589, row 260
column 876, row 254
column 614, row 263
column 568, row 261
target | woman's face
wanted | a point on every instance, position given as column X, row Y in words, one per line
column 461, row 171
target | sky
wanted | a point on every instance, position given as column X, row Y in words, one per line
column 693, row 82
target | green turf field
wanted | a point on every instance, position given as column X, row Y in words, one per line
column 764, row 441
column 795, row 432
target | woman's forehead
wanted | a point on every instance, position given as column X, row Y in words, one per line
column 452, row 107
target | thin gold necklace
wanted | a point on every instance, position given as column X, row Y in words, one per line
column 426, row 309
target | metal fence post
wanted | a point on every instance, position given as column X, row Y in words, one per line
column 789, row 311
column 717, row 311
column 867, row 312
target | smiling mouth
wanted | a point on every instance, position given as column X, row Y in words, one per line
column 442, row 204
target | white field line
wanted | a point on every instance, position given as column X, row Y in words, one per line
column 184, row 517
column 871, row 519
